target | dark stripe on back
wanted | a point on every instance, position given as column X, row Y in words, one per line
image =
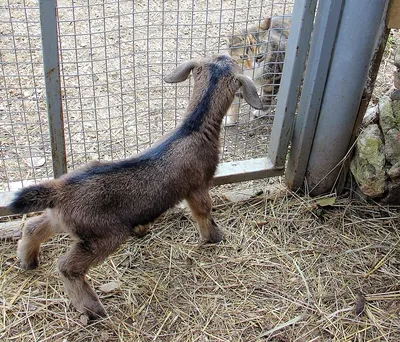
column 194, row 121
column 190, row 124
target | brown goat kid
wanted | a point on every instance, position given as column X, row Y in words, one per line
column 101, row 204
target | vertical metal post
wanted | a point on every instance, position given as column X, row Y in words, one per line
column 296, row 53
column 324, row 34
column 48, row 25
column 356, row 42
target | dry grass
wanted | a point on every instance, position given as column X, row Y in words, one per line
column 289, row 270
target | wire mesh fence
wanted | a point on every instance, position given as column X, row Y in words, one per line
column 113, row 55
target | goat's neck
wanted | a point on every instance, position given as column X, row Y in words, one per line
column 213, row 119
column 208, row 119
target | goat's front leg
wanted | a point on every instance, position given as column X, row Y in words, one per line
column 200, row 204
column 75, row 264
column 36, row 231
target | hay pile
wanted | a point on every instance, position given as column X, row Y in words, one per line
column 290, row 269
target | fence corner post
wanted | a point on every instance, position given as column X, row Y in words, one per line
column 356, row 41
column 51, row 65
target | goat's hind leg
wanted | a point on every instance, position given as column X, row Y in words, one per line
column 75, row 264
column 200, row 204
column 36, row 231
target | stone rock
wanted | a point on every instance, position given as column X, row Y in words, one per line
column 396, row 78
column 386, row 118
column 368, row 164
column 394, row 171
column 395, row 95
column 242, row 195
column 397, row 58
column 393, row 193
column 10, row 230
column 389, row 120
column 392, row 146
column 396, row 73
column 371, row 115
column 376, row 162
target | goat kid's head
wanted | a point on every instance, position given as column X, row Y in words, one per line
column 220, row 71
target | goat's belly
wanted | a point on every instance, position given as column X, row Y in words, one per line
column 148, row 214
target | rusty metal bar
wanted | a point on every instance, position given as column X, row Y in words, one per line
column 48, row 24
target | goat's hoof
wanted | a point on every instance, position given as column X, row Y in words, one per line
column 92, row 309
column 216, row 236
column 28, row 261
column 29, row 265
column 97, row 313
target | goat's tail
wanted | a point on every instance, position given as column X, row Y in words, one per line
column 34, row 198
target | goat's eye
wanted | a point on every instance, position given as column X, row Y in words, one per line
column 244, row 57
column 198, row 70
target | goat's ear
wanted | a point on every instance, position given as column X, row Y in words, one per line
column 181, row 73
column 249, row 91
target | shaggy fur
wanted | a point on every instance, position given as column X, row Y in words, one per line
column 103, row 203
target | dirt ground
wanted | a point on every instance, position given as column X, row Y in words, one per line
column 113, row 55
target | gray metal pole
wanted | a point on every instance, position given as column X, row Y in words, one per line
column 323, row 39
column 48, row 25
column 358, row 33
column 296, row 54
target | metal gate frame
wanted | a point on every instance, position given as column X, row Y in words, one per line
column 312, row 129
column 272, row 165
column 289, row 90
